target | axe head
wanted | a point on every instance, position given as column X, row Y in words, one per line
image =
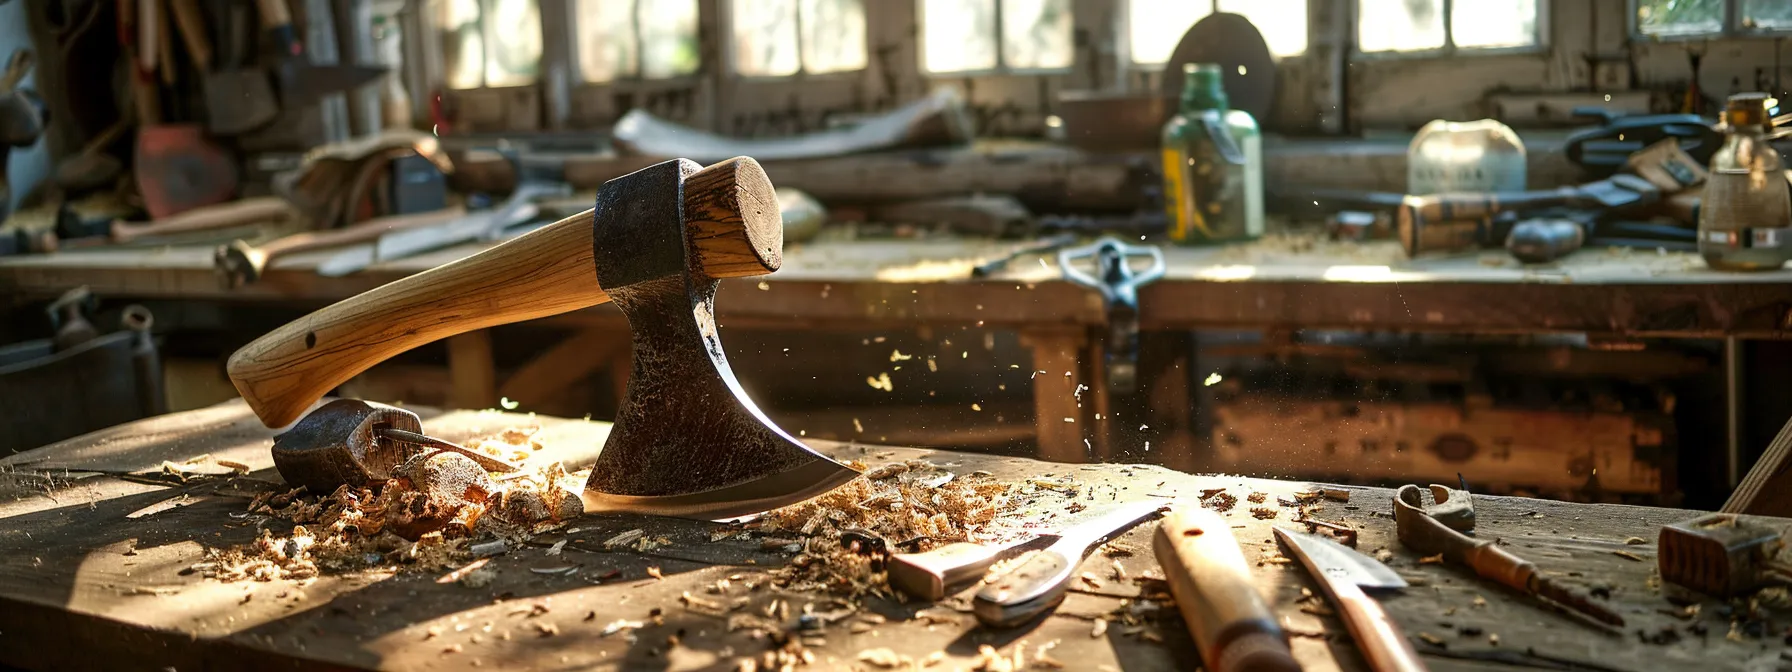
column 687, row 440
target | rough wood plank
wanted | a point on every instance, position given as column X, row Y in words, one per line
column 82, row 585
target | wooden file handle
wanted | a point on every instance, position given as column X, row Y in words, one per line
column 1381, row 641
column 226, row 215
column 731, row 221
column 1216, row 595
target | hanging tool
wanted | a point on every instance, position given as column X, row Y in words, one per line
column 358, row 443
column 240, row 263
column 1721, row 555
column 1427, row 534
column 1342, row 574
column 687, row 441
column 1213, row 588
column 932, row 575
column 1038, row 584
column 486, row 225
column 1119, row 286
column 239, row 98
column 299, row 81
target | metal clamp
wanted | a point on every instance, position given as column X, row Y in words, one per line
column 1119, row 285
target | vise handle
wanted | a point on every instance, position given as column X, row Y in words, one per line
column 730, row 218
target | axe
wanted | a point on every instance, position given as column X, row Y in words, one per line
column 687, row 440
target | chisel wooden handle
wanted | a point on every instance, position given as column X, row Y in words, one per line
column 226, row 215
column 240, row 263
column 1382, row 643
column 545, row 272
column 1458, row 221
column 1214, row 591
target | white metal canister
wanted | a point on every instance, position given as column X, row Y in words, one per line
column 1472, row 156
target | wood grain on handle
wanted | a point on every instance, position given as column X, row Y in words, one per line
column 360, row 232
column 545, row 272
column 1216, row 594
column 224, row 215
column 1380, row 640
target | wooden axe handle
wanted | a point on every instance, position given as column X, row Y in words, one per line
column 731, row 219
column 235, row 213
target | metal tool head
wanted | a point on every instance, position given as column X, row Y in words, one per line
column 1717, row 554
column 1450, row 506
column 1330, row 560
column 687, row 440
column 336, row 444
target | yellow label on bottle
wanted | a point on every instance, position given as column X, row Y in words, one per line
column 1175, row 195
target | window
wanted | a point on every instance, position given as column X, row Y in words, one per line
column 1155, row 26
column 1678, row 18
column 635, row 39
column 1421, row 25
column 489, row 42
column 776, row 38
column 984, row 35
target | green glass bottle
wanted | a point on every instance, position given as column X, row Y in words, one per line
column 1212, row 164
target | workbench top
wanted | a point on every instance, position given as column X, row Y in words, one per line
column 96, row 538
column 1302, row 281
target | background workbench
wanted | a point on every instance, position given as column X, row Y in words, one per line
column 1281, row 283
column 95, row 540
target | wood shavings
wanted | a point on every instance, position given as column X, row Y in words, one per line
column 1222, row 502
column 1434, row 640
column 624, row 539
column 1479, row 602
column 654, row 571
column 234, row 466
column 1384, row 555
column 557, row 547
column 1263, row 513
column 1317, row 609
column 543, row 629
column 859, row 627
column 1257, row 497
column 1432, row 559
column 1635, row 541
column 884, row 658
column 1627, row 555
column 1090, row 579
column 1098, row 629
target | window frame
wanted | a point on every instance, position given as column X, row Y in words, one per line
column 1539, row 46
column 1731, row 29
column 1001, row 68
column 725, row 9
column 440, row 62
column 576, row 66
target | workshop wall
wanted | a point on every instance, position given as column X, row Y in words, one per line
column 1585, row 50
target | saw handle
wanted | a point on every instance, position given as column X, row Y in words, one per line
column 545, row 272
column 1216, row 595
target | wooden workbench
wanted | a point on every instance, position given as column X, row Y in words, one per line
column 94, row 542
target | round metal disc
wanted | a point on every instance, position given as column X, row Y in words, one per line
column 1231, row 41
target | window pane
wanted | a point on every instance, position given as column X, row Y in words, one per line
column 1036, row 34
column 1282, row 22
column 1399, row 25
column 833, row 35
column 1155, row 26
column 668, row 38
column 606, row 30
column 463, row 48
column 958, row 35
column 1681, row 17
column 513, row 42
column 1767, row 14
column 1494, row 23
column 765, row 35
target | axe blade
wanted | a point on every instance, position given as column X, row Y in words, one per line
column 687, row 439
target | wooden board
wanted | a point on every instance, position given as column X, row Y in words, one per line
column 85, row 585
column 1279, row 282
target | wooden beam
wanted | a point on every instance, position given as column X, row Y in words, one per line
column 470, row 370
column 1767, row 490
column 572, row 360
column 1056, row 373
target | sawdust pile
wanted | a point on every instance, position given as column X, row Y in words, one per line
column 911, row 506
column 424, row 519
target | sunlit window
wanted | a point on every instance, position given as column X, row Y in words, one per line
column 981, row 35
column 1670, row 18
column 774, row 38
column 1420, row 25
column 1154, row 27
column 636, row 39
column 489, row 42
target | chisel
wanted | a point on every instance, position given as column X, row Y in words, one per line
column 1035, row 586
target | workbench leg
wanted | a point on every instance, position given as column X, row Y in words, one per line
column 552, row 372
column 1169, row 401
column 1096, row 398
column 472, row 378
column 1060, row 422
